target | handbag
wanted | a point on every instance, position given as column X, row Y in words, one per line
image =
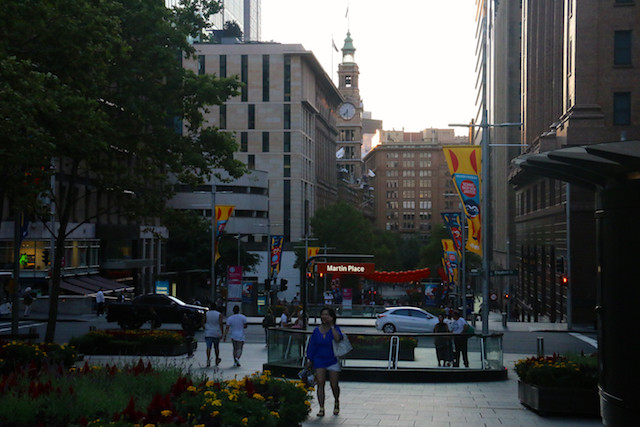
column 307, row 377
column 342, row 347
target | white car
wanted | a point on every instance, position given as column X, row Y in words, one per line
column 405, row 319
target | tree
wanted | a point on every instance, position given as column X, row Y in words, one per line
column 232, row 29
column 119, row 113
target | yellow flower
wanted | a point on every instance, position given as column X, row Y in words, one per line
column 245, row 420
column 209, row 393
column 210, row 383
column 215, row 414
column 258, row 396
column 217, row 402
column 191, row 388
column 166, row 413
column 275, row 414
column 306, row 402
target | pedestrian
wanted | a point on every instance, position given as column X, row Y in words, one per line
column 236, row 323
column 189, row 326
column 213, row 332
column 284, row 318
column 321, row 358
column 27, row 300
column 443, row 344
column 459, row 327
column 100, row 302
column 269, row 321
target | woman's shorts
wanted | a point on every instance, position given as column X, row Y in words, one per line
column 212, row 341
column 335, row 367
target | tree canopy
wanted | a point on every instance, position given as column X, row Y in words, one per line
column 345, row 229
column 98, row 90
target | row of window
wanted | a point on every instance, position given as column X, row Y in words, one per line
column 244, row 75
column 409, row 155
column 266, row 139
column 408, row 183
column 408, row 164
column 251, row 116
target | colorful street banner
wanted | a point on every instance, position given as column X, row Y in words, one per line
column 312, row 251
column 223, row 213
column 451, row 258
column 465, row 162
column 453, row 221
column 276, row 255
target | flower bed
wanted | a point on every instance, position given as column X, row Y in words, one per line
column 158, row 342
column 559, row 384
column 16, row 354
column 139, row 394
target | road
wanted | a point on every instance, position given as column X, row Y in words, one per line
column 521, row 342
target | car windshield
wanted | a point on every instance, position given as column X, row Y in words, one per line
column 176, row 300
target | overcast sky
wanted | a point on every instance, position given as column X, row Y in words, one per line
column 416, row 57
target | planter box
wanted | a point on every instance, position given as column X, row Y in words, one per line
column 139, row 350
column 380, row 354
column 560, row 400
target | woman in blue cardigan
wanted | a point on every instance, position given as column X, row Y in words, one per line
column 321, row 358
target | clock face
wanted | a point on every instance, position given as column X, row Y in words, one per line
column 347, row 111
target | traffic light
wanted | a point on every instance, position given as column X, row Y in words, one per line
column 267, row 285
column 565, row 279
column 45, row 256
column 560, row 265
column 283, row 284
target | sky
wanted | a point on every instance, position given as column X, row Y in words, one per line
column 416, row 57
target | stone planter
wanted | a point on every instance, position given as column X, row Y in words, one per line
column 380, row 353
column 560, row 400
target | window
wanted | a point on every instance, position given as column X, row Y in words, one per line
column 287, row 78
column 409, row 183
column 622, row 108
column 287, row 166
column 223, row 66
column 265, row 142
column 287, row 142
column 622, row 48
column 223, row 116
column 265, row 78
column 201, row 69
column 244, row 77
column 347, row 135
column 347, row 81
column 244, row 142
column 251, row 162
column 251, row 119
column 287, row 116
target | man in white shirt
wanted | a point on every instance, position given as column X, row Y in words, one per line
column 100, row 302
column 236, row 323
column 213, row 332
column 458, row 326
column 284, row 318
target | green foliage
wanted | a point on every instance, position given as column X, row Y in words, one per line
column 344, row 228
column 232, row 29
column 98, row 89
column 571, row 371
column 189, row 243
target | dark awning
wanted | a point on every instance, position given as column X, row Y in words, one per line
column 594, row 165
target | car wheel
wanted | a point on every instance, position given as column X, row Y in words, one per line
column 388, row 328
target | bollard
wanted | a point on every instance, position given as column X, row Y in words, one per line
column 504, row 319
column 540, row 346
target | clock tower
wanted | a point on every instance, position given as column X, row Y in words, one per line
column 349, row 158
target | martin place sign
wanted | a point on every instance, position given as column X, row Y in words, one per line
column 346, row 267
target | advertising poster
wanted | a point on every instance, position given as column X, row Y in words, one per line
column 247, row 292
column 430, row 293
column 223, row 213
column 234, row 277
column 347, row 297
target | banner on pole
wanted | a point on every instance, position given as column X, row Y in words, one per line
column 465, row 162
column 276, row 255
column 453, row 221
column 223, row 213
